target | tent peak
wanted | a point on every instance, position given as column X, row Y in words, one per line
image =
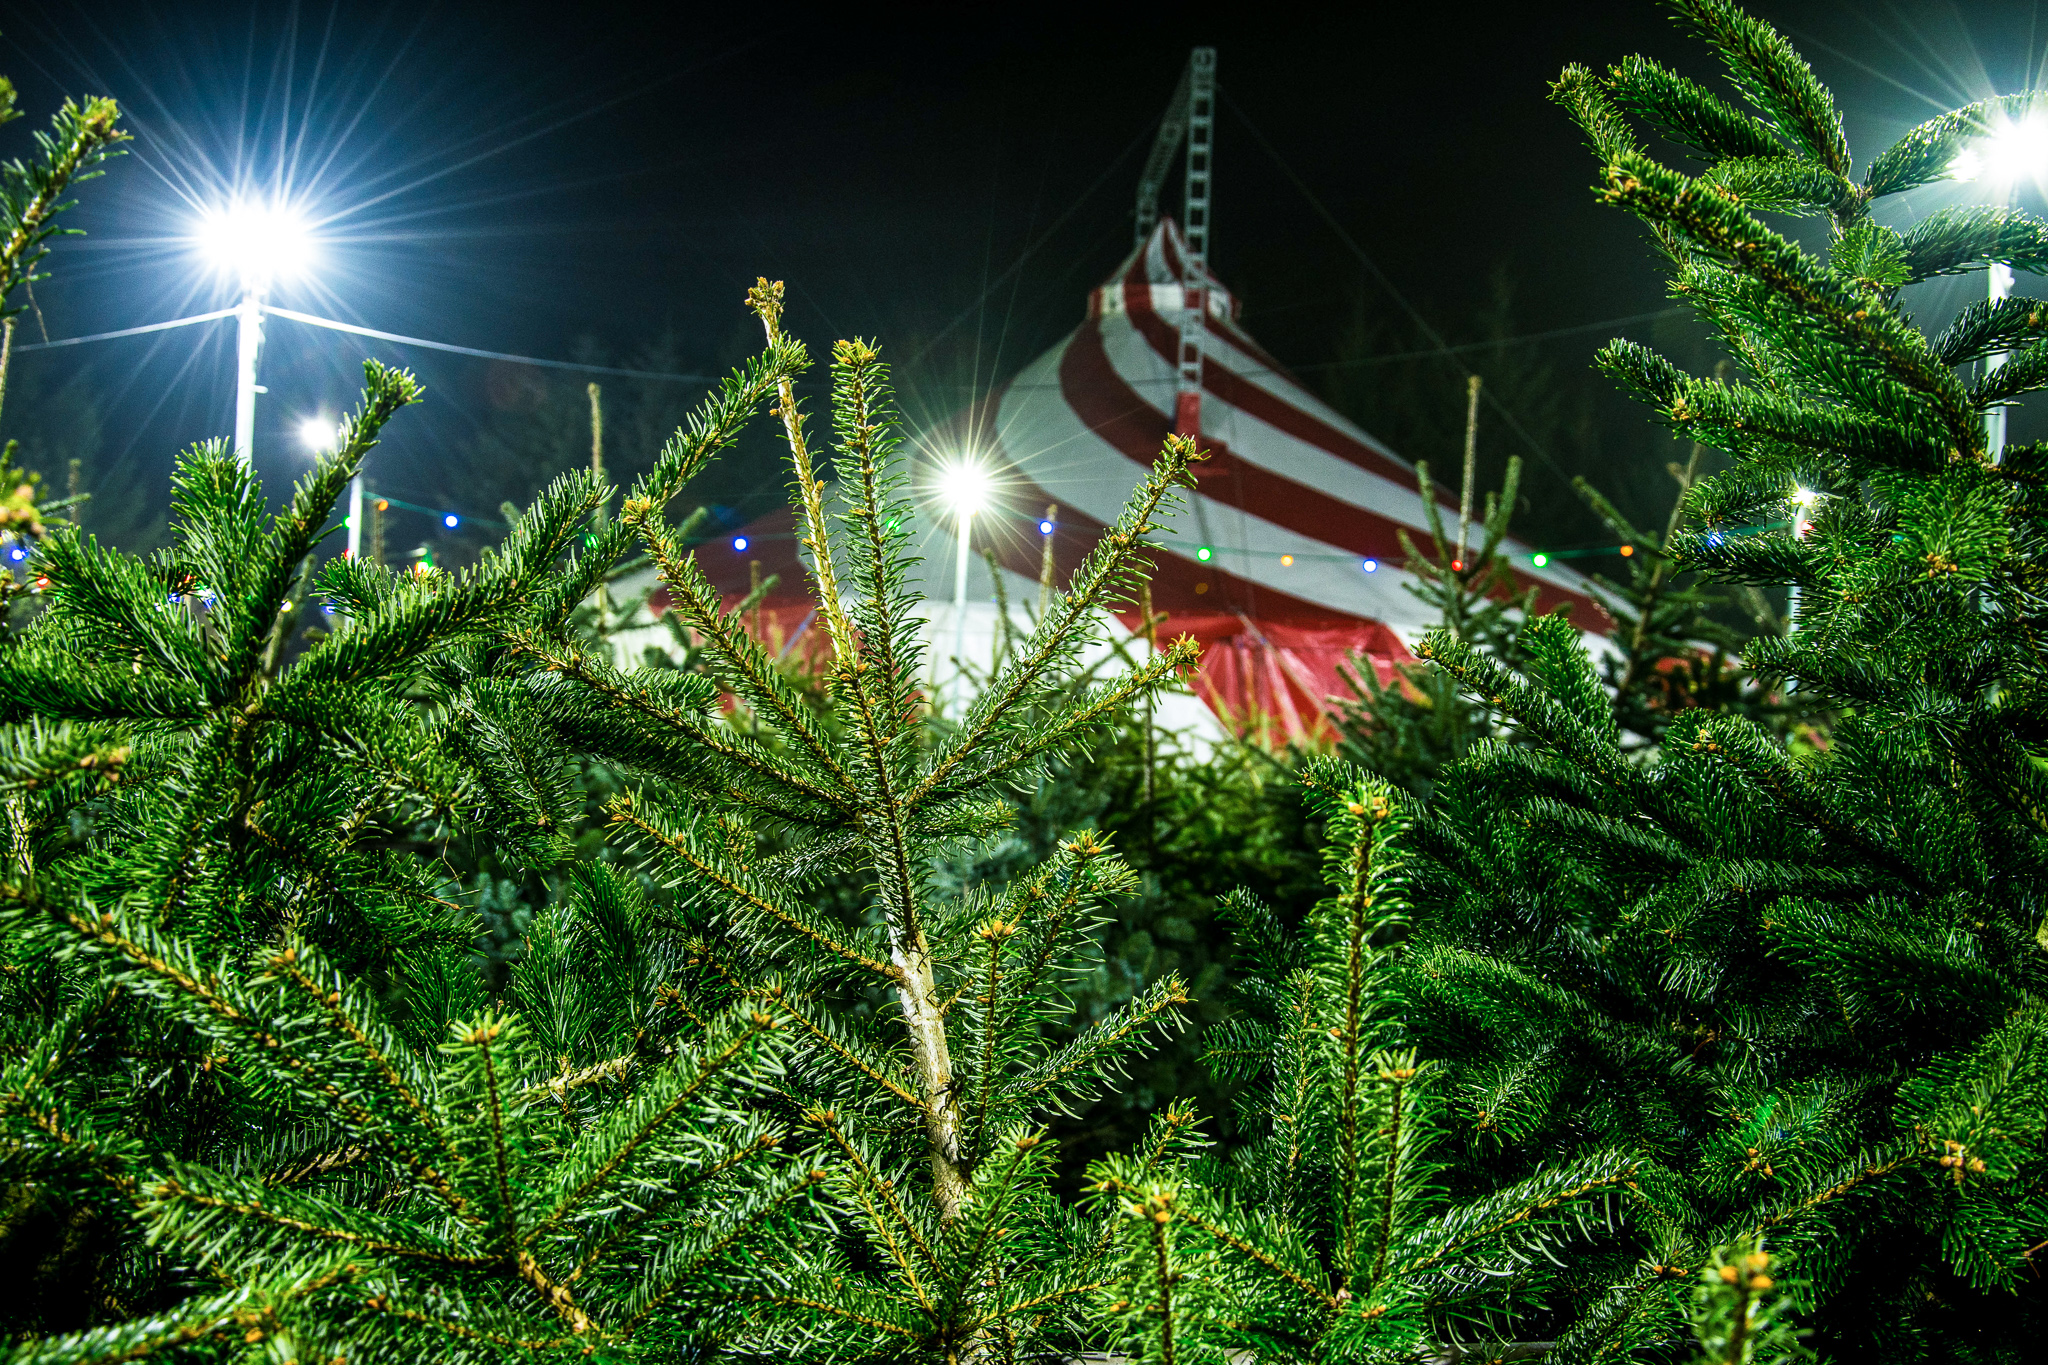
column 1149, row 280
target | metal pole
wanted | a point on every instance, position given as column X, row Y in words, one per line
column 355, row 516
column 604, row 600
column 960, row 608
column 2000, row 279
column 1471, row 467
column 1194, row 279
column 249, row 344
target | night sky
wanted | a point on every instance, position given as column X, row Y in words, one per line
column 581, row 180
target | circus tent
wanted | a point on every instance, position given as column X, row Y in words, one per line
column 1283, row 563
column 1286, row 558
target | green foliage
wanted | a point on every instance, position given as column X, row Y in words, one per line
column 1192, row 831
column 1806, row 989
column 929, row 1035
column 1330, row 1235
column 252, row 1063
column 80, row 138
column 1409, row 728
column 1675, row 649
column 1742, row 1313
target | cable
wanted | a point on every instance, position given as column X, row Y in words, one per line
column 1600, row 326
column 354, row 330
column 214, row 316
column 1442, row 347
column 1289, row 372
column 1032, row 249
column 332, row 325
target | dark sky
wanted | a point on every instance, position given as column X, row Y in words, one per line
column 519, row 177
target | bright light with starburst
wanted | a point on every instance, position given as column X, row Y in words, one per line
column 965, row 487
column 320, row 434
column 256, row 242
column 2014, row 150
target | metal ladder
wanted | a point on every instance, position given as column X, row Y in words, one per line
column 1191, row 119
column 1194, row 293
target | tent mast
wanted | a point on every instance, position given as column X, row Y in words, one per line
column 1190, row 118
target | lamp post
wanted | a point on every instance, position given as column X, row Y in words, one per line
column 256, row 243
column 248, row 345
column 965, row 488
column 322, row 436
column 2012, row 149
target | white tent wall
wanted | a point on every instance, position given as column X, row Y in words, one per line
column 947, row 635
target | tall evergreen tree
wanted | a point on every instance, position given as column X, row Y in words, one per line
column 256, row 1092
column 1408, row 728
column 1808, row 989
column 926, row 1035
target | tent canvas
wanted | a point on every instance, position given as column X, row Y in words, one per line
column 1284, row 562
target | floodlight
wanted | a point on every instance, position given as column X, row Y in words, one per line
column 965, row 486
column 255, row 241
column 2011, row 151
column 318, row 433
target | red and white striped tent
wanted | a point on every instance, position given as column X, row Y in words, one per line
column 1293, row 502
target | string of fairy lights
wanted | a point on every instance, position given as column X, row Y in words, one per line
column 743, row 541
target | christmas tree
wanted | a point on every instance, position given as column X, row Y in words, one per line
column 256, row 1081
column 1331, row 1234
column 1678, row 646
column 80, row 138
column 1408, row 727
column 926, row 1031
column 1807, row 989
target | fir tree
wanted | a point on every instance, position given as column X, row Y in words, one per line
column 1331, row 1235
column 1743, row 1309
column 80, row 139
column 925, row 1035
column 1410, row 727
column 1808, row 988
column 254, row 1074
column 1676, row 648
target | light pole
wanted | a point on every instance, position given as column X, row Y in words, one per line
column 323, row 436
column 965, row 488
column 2012, row 149
column 257, row 243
